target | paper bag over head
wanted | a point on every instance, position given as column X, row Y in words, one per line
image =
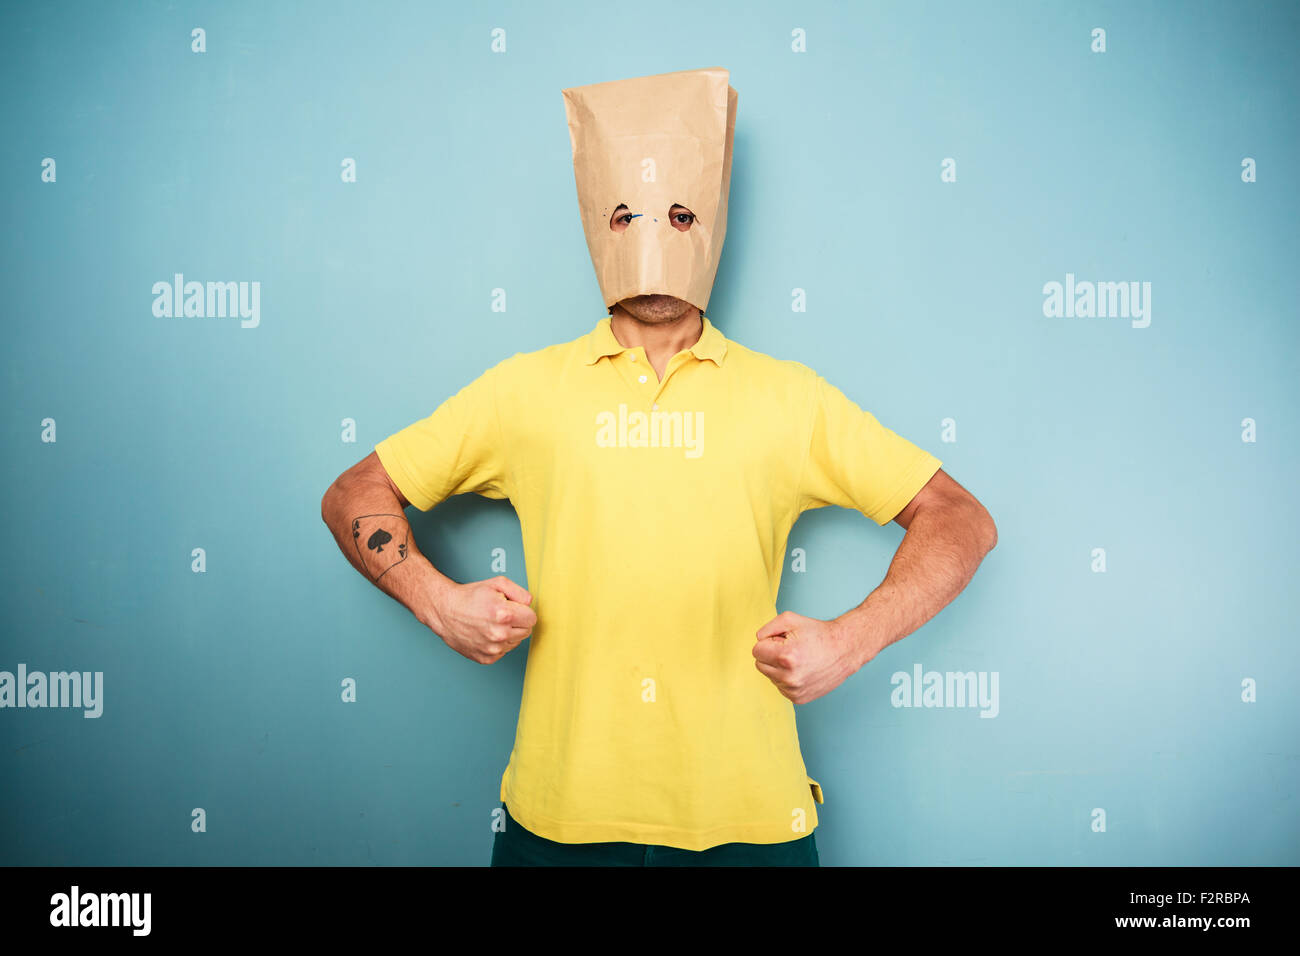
column 641, row 147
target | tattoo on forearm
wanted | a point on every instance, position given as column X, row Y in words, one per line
column 380, row 541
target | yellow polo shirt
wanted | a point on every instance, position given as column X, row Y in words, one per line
column 654, row 517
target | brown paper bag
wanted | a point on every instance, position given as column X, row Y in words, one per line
column 650, row 144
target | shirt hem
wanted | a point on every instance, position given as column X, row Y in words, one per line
column 917, row 476
column 401, row 475
column 561, row 831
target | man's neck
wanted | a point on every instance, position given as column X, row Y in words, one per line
column 661, row 340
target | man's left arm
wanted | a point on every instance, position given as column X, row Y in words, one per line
column 948, row 533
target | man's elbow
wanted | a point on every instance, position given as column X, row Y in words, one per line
column 979, row 522
column 988, row 529
column 327, row 500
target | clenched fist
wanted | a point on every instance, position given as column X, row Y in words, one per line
column 804, row 657
column 484, row 620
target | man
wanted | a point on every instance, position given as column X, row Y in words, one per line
column 657, row 468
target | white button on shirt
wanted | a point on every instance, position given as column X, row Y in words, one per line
column 641, row 379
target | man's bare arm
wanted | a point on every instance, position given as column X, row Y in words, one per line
column 365, row 511
column 948, row 534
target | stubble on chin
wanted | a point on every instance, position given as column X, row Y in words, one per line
column 656, row 308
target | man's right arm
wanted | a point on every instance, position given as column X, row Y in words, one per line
column 364, row 510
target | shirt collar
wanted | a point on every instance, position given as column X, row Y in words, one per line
column 712, row 344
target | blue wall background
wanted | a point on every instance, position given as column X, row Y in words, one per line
column 1120, row 690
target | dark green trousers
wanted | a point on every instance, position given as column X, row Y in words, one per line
column 515, row 846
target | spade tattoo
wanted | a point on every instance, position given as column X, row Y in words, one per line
column 378, row 553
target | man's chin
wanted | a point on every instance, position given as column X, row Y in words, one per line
column 655, row 306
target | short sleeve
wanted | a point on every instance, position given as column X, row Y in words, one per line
column 855, row 462
column 455, row 450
